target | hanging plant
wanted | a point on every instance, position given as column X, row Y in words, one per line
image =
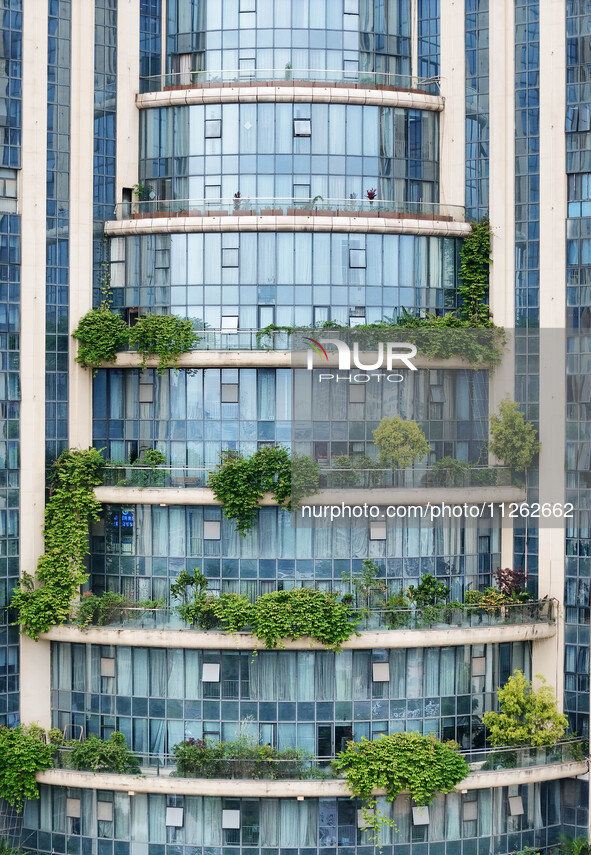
column 44, row 600
column 164, row 336
column 24, row 753
column 241, row 482
column 421, row 765
column 100, row 335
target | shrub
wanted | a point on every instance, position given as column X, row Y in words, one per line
column 110, row 755
column 514, row 441
column 401, row 443
column 450, row 472
column 429, row 592
column 245, row 757
column 100, row 610
column 24, row 752
column 165, row 336
column 527, row 716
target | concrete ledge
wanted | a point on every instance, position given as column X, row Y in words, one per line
column 284, row 789
column 369, row 640
column 420, row 496
column 290, row 93
column 273, row 359
column 322, row 223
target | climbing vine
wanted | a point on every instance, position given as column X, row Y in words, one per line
column 475, row 263
column 43, row 600
column 164, row 336
column 240, row 483
column 436, row 336
column 102, row 333
column 24, row 752
column 421, row 765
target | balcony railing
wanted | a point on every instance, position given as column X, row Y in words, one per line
column 479, row 760
column 330, row 478
column 289, row 77
column 289, row 207
column 435, row 617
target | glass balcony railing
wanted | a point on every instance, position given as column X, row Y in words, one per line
column 311, row 767
column 289, row 77
column 289, row 207
column 330, row 478
column 434, row 617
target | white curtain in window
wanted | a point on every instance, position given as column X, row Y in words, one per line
column 286, row 676
column 212, row 822
column 269, row 819
column 305, row 685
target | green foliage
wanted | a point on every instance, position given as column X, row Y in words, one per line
column 165, row 336
column 303, row 612
column 44, row 600
column 100, row 610
column 155, row 458
column 526, row 717
column 243, row 758
column 514, row 441
column 436, row 336
column 450, row 472
column 401, row 443
column 475, row 262
column 100, row 334
column 529, row 850
column 574, row 845
column 279, row 614
column 241, row 482
column 402, row 761
column 110, row 755
column 24, row 752
column 429, row 592
column 367, row 586
column 6, row 848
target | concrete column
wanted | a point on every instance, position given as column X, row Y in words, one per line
column 81, row 193
column 453, row 119
column 35, row 662
column 548, row 657
column 128, row 76
column 501, row 190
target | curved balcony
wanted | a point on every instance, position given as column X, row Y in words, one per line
column 290, row 77
column 330, row 478
column 313, row 777
column 422, row 492
column 278, row 207
column 385, row 628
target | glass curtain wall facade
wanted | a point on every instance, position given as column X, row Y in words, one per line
column 242, row 109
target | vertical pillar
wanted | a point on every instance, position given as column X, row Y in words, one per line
column 35, row 656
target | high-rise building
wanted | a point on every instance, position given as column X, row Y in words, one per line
column 251, row 164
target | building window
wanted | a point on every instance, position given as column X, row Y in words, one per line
column 230, row 819
column 73, row 808
column 107, row 667
column 380, row 672
column 302, row 127
column 175, row 817
column 210, row 672
column 229, row 258
column 104, row 811
column 248, row 5
column 357, row 258
column 470, row 812
column 356, row 316
column 211, row 529
column 229, row 393
column 146, row 393
column 356, row 393
column 229, row 323
column 515, row 806
column 213, row 129
column 420, row 815
column 377, row 530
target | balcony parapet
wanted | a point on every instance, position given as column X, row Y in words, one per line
column 381, row 629
column 527, row 766
column 277, row 208
column 284, row 85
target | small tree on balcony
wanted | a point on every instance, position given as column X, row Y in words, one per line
column 514, row 441
column 527, row 716
column 401, row 443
